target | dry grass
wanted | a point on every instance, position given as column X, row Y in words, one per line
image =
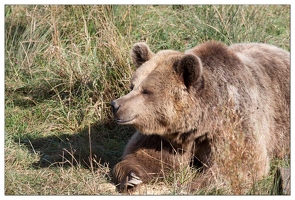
column 64, row 64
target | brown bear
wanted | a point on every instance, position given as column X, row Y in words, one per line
column 187, row 106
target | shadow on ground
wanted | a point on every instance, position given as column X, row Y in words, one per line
column 100, row 144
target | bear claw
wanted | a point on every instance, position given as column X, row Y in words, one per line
column 133, row 180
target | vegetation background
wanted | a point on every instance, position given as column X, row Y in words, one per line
column 65, row 63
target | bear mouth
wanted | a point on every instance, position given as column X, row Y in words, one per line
column 125, row 121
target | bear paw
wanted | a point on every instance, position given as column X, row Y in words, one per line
column 130, row 182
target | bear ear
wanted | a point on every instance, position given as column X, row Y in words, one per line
column 141, row 53
column 189, row 69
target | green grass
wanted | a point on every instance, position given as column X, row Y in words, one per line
column 64, row 64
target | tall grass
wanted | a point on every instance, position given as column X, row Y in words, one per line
column 64, row 64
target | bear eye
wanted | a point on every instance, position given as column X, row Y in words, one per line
column 145, row 91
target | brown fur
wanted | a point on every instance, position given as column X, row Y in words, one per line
column 180, row 102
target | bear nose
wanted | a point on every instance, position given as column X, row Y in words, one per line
column 115, row 106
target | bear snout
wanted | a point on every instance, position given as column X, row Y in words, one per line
column 115, row 106
column 121, row 114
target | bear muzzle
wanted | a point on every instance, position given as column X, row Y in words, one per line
column 120, row 118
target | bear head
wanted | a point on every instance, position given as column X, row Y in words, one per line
column 162, row 99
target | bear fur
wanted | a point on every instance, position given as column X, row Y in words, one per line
column 186, row 106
